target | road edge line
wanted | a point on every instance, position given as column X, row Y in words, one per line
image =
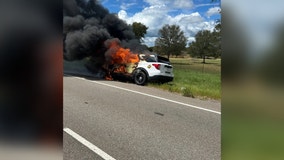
column 88, row 144
column 157, row 97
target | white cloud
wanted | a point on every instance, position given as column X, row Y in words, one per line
column 190, row 39
column 125, row 6
column 188, row 18
column 156, row 2
column 205, row 4
column 183, row 4
column 149, row 41
column 175, row 4
column 122, row 14
column 213, row 11
column 152, row 16
column 157, row 15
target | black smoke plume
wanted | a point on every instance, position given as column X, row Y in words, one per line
column 87, row 25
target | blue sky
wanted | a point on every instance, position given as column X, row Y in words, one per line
column 190, row 15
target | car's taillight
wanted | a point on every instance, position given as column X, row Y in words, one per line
column 157, row 66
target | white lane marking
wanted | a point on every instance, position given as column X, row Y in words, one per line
column 149, row 95
column 88, row 144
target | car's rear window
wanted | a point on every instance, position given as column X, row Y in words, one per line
column 154, row 58
column 151, row 59
column 163, row 60
column 148, row 58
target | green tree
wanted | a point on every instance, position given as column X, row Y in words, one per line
column 171, row 40
column 217, row 38
column 206, row 44
column 151, row 49
column 139, row 30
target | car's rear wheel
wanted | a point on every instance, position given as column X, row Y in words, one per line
column 140, row 77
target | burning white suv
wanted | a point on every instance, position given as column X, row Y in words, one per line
column 150, row 67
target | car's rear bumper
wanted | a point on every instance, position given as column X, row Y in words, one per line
column 160, row 78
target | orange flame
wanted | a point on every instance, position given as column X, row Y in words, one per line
column 120, row 69
column 108, row 77
column 121, row 57
column 124, row 56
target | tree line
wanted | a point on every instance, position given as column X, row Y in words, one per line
column 172, row 41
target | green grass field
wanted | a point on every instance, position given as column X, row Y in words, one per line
column 195, row 79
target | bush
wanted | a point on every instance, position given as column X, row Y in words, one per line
column 187, row 92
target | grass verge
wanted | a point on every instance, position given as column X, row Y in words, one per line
column 194, row 79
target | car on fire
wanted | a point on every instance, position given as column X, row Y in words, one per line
column 150, row 67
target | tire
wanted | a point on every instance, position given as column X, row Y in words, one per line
column 140, row 78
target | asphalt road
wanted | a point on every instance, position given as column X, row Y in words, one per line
column 126, row 122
